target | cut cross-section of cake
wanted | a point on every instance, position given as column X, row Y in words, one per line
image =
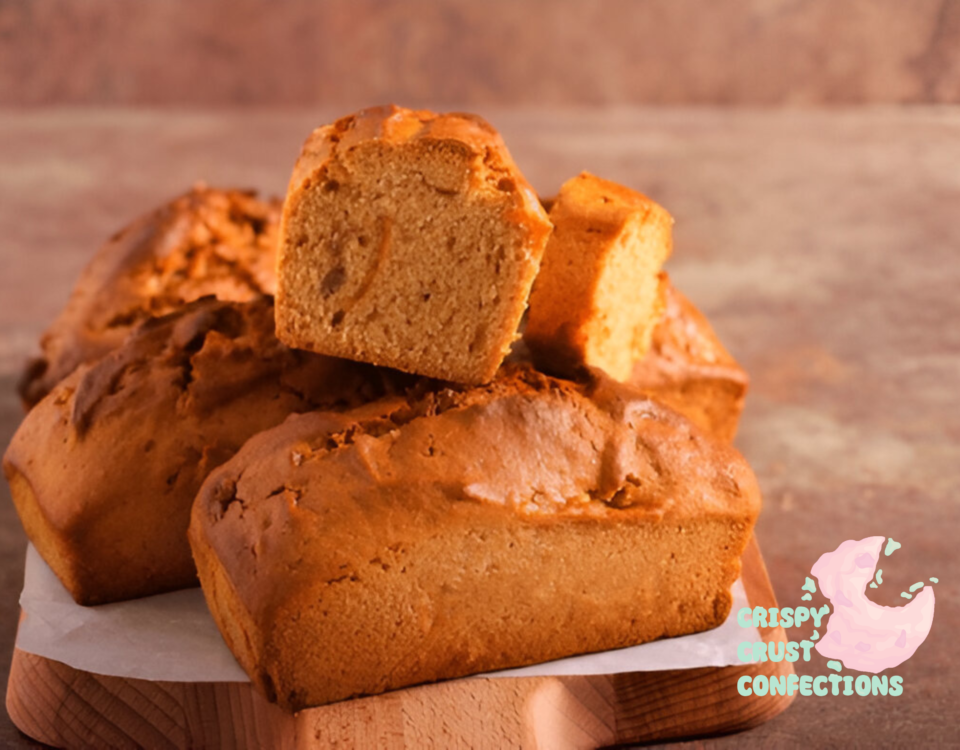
column 411, row 240
column 600, row 292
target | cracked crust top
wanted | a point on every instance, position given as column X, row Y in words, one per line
column 381, row 498
column 206, row 242
column 104, row 469
column 533, row 446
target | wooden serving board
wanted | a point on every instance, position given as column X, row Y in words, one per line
column 65, row 707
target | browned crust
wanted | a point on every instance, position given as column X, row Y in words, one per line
column 467, row 530
column 103, row 471
column 207, row 241
column 689, row 369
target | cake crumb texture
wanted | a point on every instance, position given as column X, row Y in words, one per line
column 408, row 239
column 599, row 294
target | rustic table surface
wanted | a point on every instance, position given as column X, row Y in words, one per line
column 824, row 246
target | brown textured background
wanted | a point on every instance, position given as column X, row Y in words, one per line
column 352, row 53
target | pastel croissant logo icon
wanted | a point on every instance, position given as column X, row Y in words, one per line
column 860, row 634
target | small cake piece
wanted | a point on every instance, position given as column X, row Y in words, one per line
column 466, row 530
column 689, row 370
column 104, row 470
column 208, row 241
column 408, row 239
column 599, row 293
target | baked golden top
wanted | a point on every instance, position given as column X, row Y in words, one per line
column 106, row 467
column 207, row 241
column 527, row 448
column 454, row 134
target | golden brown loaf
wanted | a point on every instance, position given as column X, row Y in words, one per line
column 463, row 530
column 219, row 242
column 689, row 370
column 408, row 239
column 103, row 471
column 599, row 293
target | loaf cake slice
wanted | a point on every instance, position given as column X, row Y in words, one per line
column 600, row 292
column 462, row 530
column 408, row 239
column 207, row 241
column 688, row 369
column 104, row 470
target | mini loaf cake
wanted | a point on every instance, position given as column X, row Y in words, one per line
column 103, row 471
column 408, row 239
column 689, row 370
column 463, row 530
column 219, row 242
column 599, row 293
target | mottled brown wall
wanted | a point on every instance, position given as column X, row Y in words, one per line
column 536, row 52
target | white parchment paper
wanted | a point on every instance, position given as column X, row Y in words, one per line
column 172, row 637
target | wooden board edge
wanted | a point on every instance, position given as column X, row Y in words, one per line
column 64, row 707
